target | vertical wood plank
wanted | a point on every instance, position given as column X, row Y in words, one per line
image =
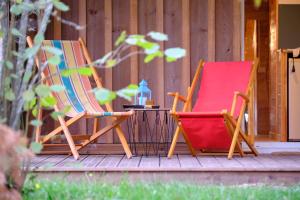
column 108, row 20
column 82, row 18
column 273, row 31
column 283, row 72
column 224, row 30
column 69, row 32
column 198, row 36
column 173, row 71
column 186, row 41
column 160, row 62
column 120, row 73
column 57, row 26
column 211, row 30
column 134, row 30
column 82, row 33
column 236, row 30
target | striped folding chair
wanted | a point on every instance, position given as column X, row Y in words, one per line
column 78, row 97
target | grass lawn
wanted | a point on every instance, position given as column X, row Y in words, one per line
column 63, row 189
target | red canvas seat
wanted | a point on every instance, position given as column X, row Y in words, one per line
column 214, row 118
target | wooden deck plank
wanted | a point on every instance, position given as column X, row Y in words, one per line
column 169, row 163
column 92, row 161
column 37, row 159
column 268, row 162
column 233, row 163
column 110, row 161
column 209, row 162
column 51, row 161
column 130, row 163
column 188, row 161
column 70, row 162
column 149, row 162
column 285, row 161
column 249, row 162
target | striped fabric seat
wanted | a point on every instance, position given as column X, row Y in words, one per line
column 78, row 94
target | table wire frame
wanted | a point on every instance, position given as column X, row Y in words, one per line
column 155, row 131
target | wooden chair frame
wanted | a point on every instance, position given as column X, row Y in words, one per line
column 85, row 139
column 233, row 125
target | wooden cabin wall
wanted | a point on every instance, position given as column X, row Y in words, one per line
column 207, row 29
column 261, row 15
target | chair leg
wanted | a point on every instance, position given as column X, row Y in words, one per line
column 230, row 129
column 234, row 141
column 123, row 141
column 174, row 141
column 68, row 137
column 187, row 141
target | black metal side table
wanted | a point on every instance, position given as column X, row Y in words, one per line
column 150, row 131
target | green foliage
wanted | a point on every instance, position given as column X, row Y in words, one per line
column 60, row 5
column 104, row 95
column 158, row 36
column 91, row 188
column 36, row 147
column 43, row 90
column 110, row 63
column 121, row 38
column 128, row 92
column 16, row 32
column 86, row 71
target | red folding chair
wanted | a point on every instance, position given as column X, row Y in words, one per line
column 216, row 118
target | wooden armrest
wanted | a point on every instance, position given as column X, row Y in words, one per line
column 242, row 95
column 237, row 94
column 180, row 97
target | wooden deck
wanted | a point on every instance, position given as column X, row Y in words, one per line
column 279, row 162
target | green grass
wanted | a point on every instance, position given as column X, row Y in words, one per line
column 64, row 189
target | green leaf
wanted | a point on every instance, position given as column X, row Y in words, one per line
column 121, row 38
column 104, row 58
column 54, row 60
column 38, row 39
column 170, row 59
column 153, row 49
column 150, row 57
column 9, row 95
column 56, row 114
column 48, row 101
column 36, row 147
column 57, row 88
column 9, row 64
column 104, row 95
column 86, row 71
column 175, row 53
column 257, row 3
column 29, row 105
column 60, row 5
column 16, row 32
column 28, row 95
column 158, row 36
column 43, row 90
column 34, row 111
column 30, row 52
column 128, row 92
column 16, row 9
column 111, row 63
column 52, row 50
column 27, row 76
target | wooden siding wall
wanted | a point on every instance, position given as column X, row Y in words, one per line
column 261, row 16
column 207, row 29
